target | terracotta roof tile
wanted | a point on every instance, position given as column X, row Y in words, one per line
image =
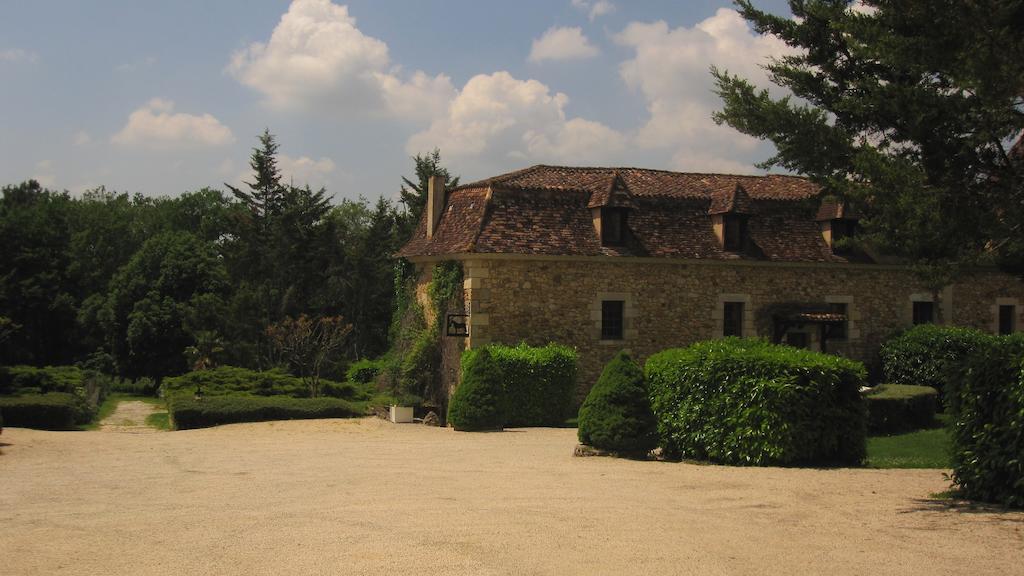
column 547, row 210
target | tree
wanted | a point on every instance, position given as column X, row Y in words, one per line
column 908, row 108
column 307, row 343
column 414, row 194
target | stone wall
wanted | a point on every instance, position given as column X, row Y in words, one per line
column 675, row 303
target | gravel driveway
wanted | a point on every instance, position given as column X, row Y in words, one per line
column 369, row 497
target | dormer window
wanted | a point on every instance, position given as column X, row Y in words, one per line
column 613, row 226
column 734, row 233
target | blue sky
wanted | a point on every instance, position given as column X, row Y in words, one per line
column 164, row 97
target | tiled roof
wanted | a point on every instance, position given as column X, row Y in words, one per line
column 547, row 210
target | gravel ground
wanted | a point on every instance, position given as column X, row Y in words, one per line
column 369, row 497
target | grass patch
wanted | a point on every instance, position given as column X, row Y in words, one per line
column 159, row 420
column 929, row 448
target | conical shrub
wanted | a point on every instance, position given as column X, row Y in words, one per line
column 617, row 414
column 479, row 401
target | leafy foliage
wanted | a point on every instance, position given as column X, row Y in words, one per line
column 479, row 401
column 53, row 411
column 988, row 423
column 617, row 413
column 898, row 408
column 414, row 194
column 748, row 402
column 364, row 371
column 234, row 381
column 927, row 355
column 538, row 382
column 306, row 344
column 910, row 109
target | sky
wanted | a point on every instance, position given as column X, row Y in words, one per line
column 165, row 97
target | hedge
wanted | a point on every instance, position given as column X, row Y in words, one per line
column 988, row 423
column 748, row 402
column 539, row 382
column 899, row 408
column 927, row 355
column 617, row 413
column 479, row 402
column 364, row 371
column 53, row 411
column 229, row 380
column 187, row 412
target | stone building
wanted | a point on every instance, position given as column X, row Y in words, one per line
column 605, row 259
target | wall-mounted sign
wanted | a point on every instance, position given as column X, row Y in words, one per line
column 457, row 325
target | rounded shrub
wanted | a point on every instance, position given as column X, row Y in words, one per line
column 479, row 401
column 617, row 413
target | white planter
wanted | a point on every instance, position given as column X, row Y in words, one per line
column 401, row 414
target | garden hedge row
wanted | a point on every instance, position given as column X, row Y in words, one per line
column 988, row 423
column 187, row 412
column 539, row 382
column 899, row 408
column 748, row 402
column 53, row 411
column 928, row 355
column 33, row 380
column 229, row 380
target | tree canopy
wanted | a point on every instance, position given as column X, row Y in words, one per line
column 907, row 108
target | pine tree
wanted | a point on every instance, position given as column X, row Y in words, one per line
column 414, row 194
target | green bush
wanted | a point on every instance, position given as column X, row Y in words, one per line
column 539, row 383
column 52, row 411
column 229, row 380
column 48, row 379
column 140, row 387
column 617, row 413
column 899, row 408
column 420, row 366
column 364, row 371
column 927, row 355
column 988, row 423
column 479, row 401
column 187, row 412
column 748, row 402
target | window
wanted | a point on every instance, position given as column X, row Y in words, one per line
column 734, row 232
column 613, row 226
column 924, row 313
column 1007, row 319
column 611, row 319
column 838, row 331
column 733, row 319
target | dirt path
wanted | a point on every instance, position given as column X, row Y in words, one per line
column 368, row 497
column 129, row 416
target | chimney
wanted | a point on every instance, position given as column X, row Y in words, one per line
column 435, row 203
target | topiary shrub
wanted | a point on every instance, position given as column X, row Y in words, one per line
column 899, row 408
column 927, row 355
column 988, row 423
column 479, row 401
column 53, row 411
column 617, row 413
column 539, row 382
column 188, row 412
column 748, row 402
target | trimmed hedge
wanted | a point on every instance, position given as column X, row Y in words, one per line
column 229, row 380
column 928, row 355
column 53, row 411
column 899, row 408
column 539, row 382
column 988, row 423
column 748, row 402
column 617, row 413
column 479, row 401
column 186, row 412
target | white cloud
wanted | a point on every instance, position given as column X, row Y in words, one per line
column 671, row 70
column 81, row 138
column 318, row 60
column 44, row 173
column 18, row 55
column 594, row 9
column 305, row 170
column 562, row 44
column 155, row 125
column 497, row 117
